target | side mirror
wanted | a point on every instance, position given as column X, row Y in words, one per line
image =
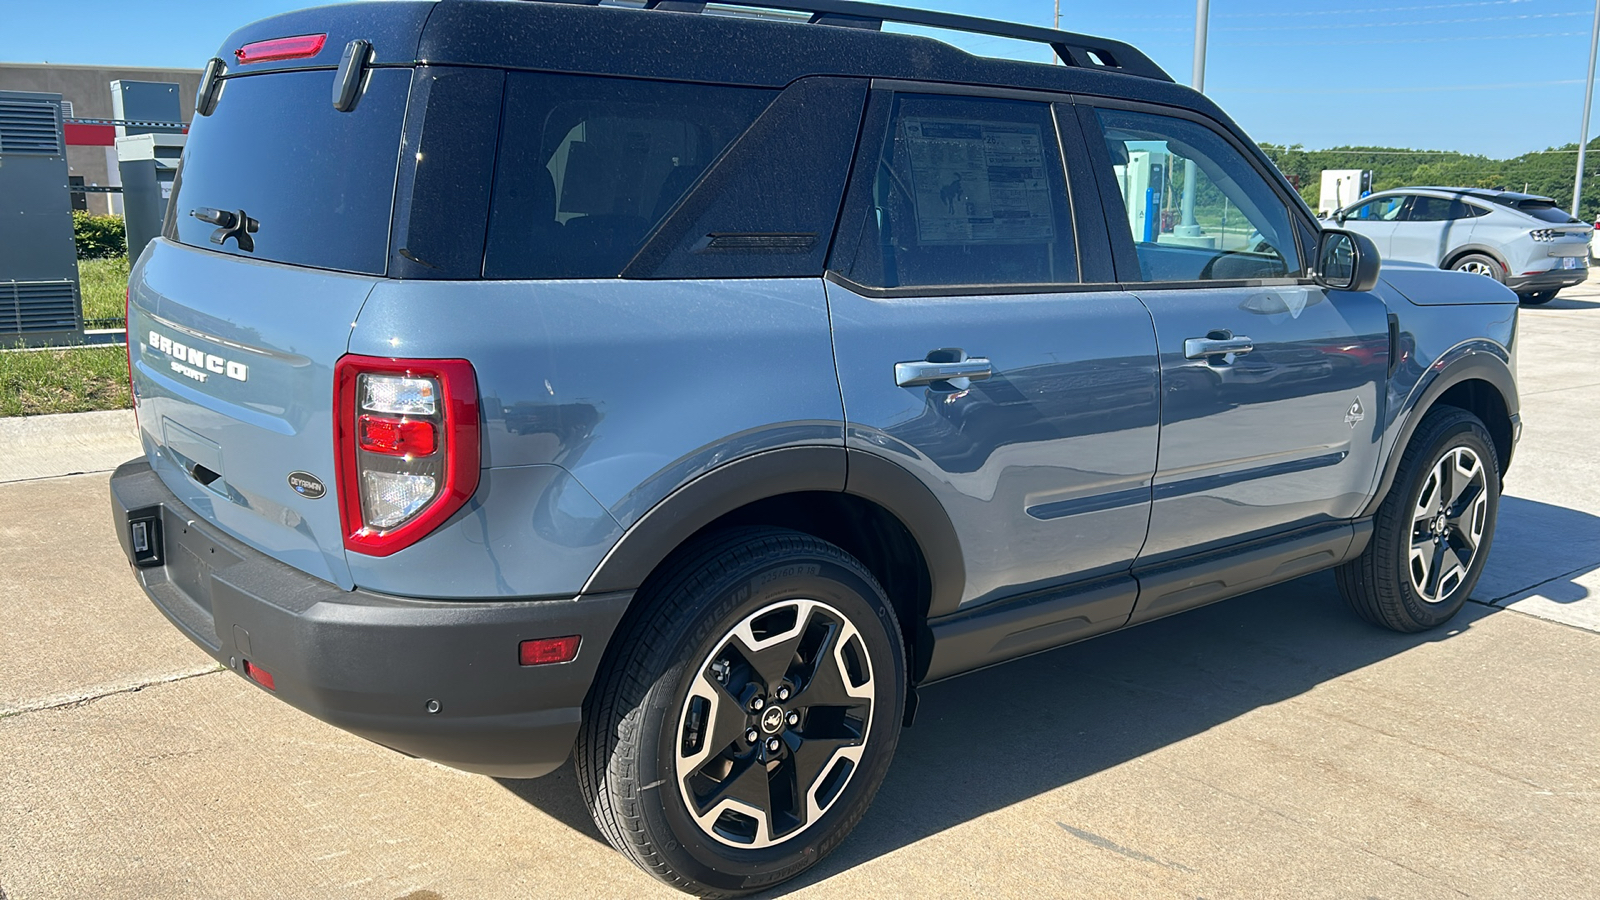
column 1346, row 261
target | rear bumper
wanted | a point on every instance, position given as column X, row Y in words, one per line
column 1551, row 280
column 369, row 663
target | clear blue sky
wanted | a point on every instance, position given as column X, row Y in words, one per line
column 1499, row 77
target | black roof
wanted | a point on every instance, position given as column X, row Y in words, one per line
column 724, row 49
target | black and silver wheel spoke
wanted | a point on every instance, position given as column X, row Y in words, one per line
column 774, row 723
column 1447, row 524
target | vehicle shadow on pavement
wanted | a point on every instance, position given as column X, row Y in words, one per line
column 988, row 740
column 1565, row 303
column 1540, row 545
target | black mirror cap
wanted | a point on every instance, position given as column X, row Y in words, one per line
column 1347, row 261
column 205, row 99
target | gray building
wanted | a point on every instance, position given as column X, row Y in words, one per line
column 90, row 153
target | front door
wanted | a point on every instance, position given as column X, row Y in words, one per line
column 1378, row 219
column 1271, row 385
column 972, row 352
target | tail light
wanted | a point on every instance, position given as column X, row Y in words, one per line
column 406, row 435
column 127, row 329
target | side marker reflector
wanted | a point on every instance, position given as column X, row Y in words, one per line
column 548, row 650
column 259, row 675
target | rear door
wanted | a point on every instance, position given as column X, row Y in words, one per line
column 981, row 345
column 236, row 322
column 1430, row 228
column 1270, row 384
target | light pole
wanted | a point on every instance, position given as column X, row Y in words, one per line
column 1588, row 98
column 1188, row 227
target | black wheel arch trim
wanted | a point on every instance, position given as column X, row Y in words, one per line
column 1472, row 364
column 772, row 473
column 1468, row 249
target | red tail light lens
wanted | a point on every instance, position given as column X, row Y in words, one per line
column 297, row 47
column 407, row 441
column 396, row 437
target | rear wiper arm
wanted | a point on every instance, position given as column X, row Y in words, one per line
column 236, row 225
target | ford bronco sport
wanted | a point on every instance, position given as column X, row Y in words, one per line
column 679, row 387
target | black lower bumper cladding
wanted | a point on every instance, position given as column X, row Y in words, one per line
column 429, row 678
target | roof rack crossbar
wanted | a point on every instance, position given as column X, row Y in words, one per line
column 1073, row 49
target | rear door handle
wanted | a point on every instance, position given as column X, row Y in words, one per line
column 1201, row 348
column 920, row 372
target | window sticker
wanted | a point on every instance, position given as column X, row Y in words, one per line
column 979, row 182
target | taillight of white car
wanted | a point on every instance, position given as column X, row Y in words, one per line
column 407, row 443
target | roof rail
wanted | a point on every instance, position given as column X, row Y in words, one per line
column 1079, row 50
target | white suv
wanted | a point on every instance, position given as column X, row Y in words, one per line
column 1528, row 243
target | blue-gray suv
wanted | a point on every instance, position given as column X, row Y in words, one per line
column 680, row 391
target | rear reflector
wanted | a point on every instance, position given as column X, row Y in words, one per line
column 297, row 47
column 259, row 675
column 548, row 650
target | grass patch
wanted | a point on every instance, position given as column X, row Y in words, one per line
column 104, row 284
column 80, row 379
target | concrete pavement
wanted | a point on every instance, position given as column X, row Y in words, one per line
column 1269, row 746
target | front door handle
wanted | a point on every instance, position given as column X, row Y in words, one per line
column 920, row 372
column 1202, row 348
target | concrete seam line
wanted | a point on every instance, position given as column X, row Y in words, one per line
column 47, row 478
column 90, row 695
column 1539, row 584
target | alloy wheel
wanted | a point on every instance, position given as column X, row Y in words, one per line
column 1447, row 524
column 774, row 724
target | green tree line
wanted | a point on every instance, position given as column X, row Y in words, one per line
column 1548, row 172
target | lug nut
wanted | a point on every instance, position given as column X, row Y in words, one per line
column 783, row 693
column 757, row 703
column 793, row 719
column 751, row 736
column 772, row 745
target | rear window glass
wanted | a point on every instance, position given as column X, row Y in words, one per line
column 1545, row 211
column 588, row 166
column 320, row 182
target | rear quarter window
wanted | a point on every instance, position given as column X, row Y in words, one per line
column 320, row 182
column 588, row 167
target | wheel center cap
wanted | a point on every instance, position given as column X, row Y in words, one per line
column 772, row 720
column 1439, row 524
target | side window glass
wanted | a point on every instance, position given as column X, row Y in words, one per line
column 968, row 191
column 1196, row 209
column 588, row 166
column 1430, row 209
column 1384, row 209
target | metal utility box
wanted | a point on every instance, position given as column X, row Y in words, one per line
column 148, row 163
column 39, row 302
column 147, row 154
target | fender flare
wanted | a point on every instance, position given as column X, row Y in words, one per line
column 1471, row 362
column 772, row 473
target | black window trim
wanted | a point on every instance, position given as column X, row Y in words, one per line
column 1301, row 218
column 876, row 121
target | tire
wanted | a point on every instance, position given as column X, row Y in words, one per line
column 1481, row 264
column 754, row 612
column 1411, row 576
column 1537, row 298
